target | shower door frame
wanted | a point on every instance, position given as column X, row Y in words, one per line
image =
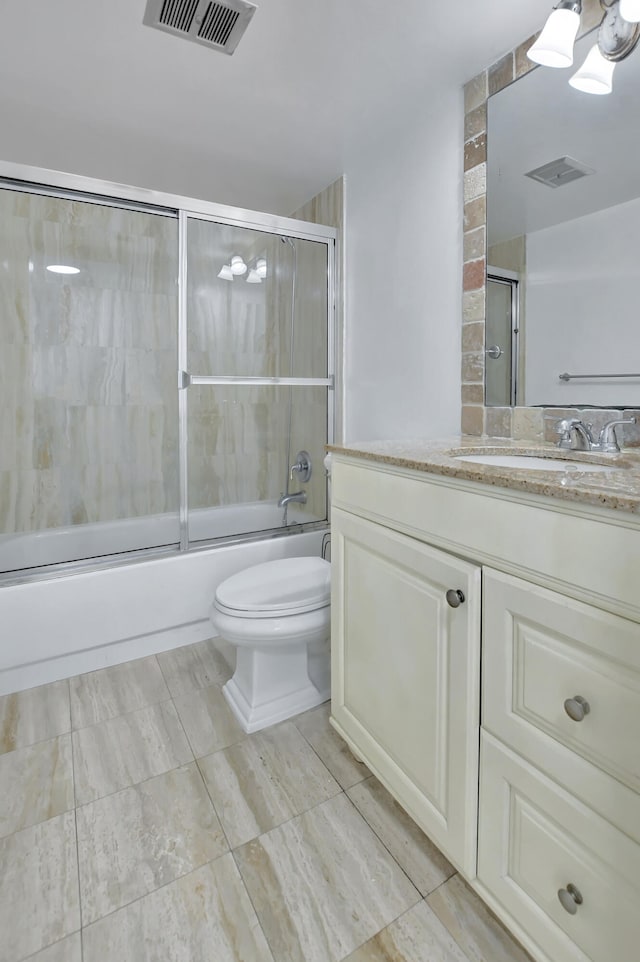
column 39, row 180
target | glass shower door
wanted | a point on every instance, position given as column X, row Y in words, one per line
column 256, row 354
column 88, row 406
column 501, row 332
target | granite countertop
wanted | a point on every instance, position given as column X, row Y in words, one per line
column 618, row 488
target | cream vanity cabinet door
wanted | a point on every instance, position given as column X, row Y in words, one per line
column 405, row 669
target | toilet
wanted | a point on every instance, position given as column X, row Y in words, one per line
column 277, row 615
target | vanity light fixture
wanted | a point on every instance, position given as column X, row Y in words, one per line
column 253, row 277
column 617, row 37
column 238, row 266
column 630, row 10
column 554, row 46
column 62, row 269
column 261, row 267
column 225, row 273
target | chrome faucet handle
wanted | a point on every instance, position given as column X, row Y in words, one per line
column 565, row 426
column 302, row 467
column 608, row 441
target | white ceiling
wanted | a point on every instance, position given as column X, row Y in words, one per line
column 542, row 118
column 85, row 87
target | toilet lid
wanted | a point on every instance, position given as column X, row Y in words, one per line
column 299, row 584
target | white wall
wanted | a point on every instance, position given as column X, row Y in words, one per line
column 583, row 279
column 403, row 277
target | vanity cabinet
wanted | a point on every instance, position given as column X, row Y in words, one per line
column 508, row 726
column 405, row 665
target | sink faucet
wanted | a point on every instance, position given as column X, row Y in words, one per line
column 299, row 496
column 570, row 428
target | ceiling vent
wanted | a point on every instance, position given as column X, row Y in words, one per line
column 219, row 24
column 559, row 172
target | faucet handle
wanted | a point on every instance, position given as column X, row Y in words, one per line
column 608, row 441
column 563, row 428
column 302, row 466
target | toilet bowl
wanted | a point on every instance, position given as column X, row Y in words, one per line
column 277, row 615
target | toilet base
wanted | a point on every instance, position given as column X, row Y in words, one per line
column 269, row 687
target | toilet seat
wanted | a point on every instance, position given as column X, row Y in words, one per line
column 291, row 586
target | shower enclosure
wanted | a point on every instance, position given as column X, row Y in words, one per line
column 161, row 364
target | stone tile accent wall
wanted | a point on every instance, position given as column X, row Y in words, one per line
column 521, row 422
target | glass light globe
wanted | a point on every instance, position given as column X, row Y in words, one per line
column 554, row 46
column 630, row 10
column 595, row 75
column 238, row 266
column 226, row 274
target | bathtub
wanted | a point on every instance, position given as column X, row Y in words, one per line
column 78, row 622
column 33, row 549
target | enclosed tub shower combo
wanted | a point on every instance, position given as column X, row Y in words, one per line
column 167, row 364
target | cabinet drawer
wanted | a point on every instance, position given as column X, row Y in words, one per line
column 540, row 651
column 535, row 839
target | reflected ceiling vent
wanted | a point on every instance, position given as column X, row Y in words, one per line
column 219, row 24
column 559, row 172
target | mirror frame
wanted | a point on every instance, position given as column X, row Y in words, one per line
column 526, row 423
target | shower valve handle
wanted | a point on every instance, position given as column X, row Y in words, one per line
column 302, row 467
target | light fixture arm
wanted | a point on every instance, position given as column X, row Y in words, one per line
column 617, row 37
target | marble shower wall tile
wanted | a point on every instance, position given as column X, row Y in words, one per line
column 39, row 901
column 135, row 841
column 323, row 884
column 206, row 909
column 34, row 715
column 37, row 784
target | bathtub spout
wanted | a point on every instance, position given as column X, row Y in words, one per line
column 299, row 496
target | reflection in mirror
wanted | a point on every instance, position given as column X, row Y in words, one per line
column 569, row 237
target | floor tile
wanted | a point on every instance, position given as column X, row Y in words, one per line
column 34, row 715
column 135, row 841
column 417, row 936
column 472, row 925
column 331, row 748
column 38, row 887
column 425, row 864
column 264, row 781
column 203, row 917
column 103, row 694
column 322, row 884
column 126, row 750
column 68, row 950
column 36, row 783
column 208, row 721
column 194, row 666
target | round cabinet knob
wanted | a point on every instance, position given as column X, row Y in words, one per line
column 577, row 707
column 570, row 899
column 455, row 597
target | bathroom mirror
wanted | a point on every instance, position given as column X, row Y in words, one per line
column 563, row 261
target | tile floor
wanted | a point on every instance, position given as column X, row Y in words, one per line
column 139, row 824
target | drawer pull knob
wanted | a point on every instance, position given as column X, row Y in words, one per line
column 577, row 707
column 455, row 597
column 570, row 899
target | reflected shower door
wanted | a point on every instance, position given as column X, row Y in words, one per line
column 249, row 335
column 501, row 331
column 88, row 405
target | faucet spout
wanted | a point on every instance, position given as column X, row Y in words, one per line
column 299, row 496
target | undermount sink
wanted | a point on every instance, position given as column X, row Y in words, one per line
column 535, row 463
